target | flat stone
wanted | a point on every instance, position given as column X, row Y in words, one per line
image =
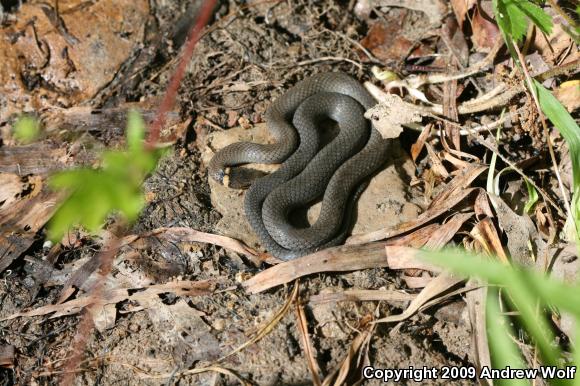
column 383, row 204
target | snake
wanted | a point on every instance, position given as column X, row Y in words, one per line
column 337, row 172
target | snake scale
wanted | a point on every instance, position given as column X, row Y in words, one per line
column 337, row 172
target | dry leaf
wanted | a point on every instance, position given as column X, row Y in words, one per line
column 390, row 114
column 569, row 94
column 180, row 288
column 434, row 289
column 460, row 8
column 485, row 31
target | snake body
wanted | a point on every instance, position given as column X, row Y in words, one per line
column 336, row 172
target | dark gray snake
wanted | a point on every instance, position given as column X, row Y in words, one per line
column 336, row 172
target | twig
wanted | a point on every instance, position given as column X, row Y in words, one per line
column 329, row 59
column 419, row 81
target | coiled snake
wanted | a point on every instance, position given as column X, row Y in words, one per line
column 336, row 172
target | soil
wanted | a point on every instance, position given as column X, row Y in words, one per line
column 249, row 56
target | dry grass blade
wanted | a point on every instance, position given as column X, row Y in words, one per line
column 265, row 330
column 459, row 183
column 336, row 259
column 545, row 129
column 308, row 349
column 215, row 369
column 445, row 232
column 429, row 215
column 420, row 143
column 339, row 259
column 455, row 192
column 417, row 238
column 487, row 235
column 339, row 376
column 477, row 317
column 362, row 296
column 435, row 288
column 437, row 165
column 188, row 235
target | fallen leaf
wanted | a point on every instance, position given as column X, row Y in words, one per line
column 179, row 288
column 569, row 94
column 485, row 31
column 460, row 8
column 436, row 287
column 390, row 114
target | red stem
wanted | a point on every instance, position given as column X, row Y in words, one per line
column 169, row 99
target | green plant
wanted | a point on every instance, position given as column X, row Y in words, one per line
column 530, row 293
column 26, row 129
column 114, row 187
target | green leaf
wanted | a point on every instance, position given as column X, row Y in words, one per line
column 26, row 129
column 500, row 337
column 537, row 15
column 513, row 16
column 532, row 196
column 529, row 291
column 135, row 132
column 115, row 188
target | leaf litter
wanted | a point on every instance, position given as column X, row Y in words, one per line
column 446, row 114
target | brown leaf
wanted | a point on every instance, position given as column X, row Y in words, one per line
column 485, row 31
column 569, row 94
column 384, row 40
column 180, row 288
column 460, row 8
column 420, row 143
column 485, row 232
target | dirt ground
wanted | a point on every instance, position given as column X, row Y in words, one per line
column 250, row 53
